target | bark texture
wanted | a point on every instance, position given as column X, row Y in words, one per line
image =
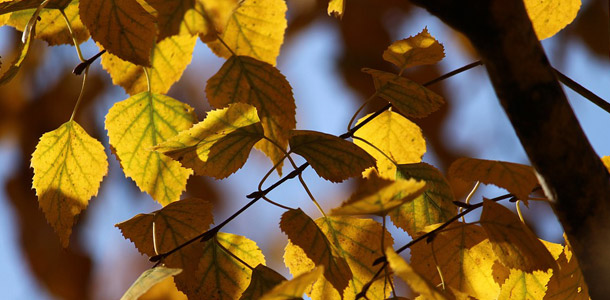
column 570, row 171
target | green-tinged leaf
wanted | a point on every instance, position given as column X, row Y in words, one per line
column 520, row 285
column 137, row 124
column 247, row 80
column 171, row 226
column 518, row 179
column 434, row 206
column 415, row 281
column 18, row 5
column 408, row 97
column 515, row 245
column 263, row 280
column 220, row 144
column 333, row 158
column 359, row 242
column 219, row 275
column 255, row 29
column 464, row 256
column 550, row 16
column 123, row 27
column 52, row 27
column 147, row 280
column 296, row 287
column 399, row 138
column 378, row 196
column 69, row 166
column 567, row 282
column 169, row 59
column 303, row 232
column 336, row 8
column 421, row 49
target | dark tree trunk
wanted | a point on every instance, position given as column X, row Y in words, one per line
column 571, row 173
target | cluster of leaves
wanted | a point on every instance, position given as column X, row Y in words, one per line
column 159, row 142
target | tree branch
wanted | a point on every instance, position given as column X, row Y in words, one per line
column 570, row 172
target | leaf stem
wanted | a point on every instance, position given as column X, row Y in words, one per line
column 376, row 148
column 76, row 45
column 80, row 95
column 147, row 79
column 467, row 201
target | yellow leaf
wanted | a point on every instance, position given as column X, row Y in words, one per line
column 465, row 258
column 247, row 80
column 356, row 240
column 123, row 27
column 192, row 16
column 165, row 290
column 220, row 144
column 567, row 282
column 336, row 8
column 255, row 29
column 515, row 245
column 408, row 97
column 421, row 49
column 171, row 226
column 606, row 161
column 68, row 168
column 218, row 274
column 52, row 27
column 550, row 16
column 137, row 124
column 17, row 62
column 296, row 287
column 415, row 281
column 397, row 137
column 333, row 158
column 147, row 280
column 434, row 206
column 263, row 280
column 379, row 196
column 304, row 233
column 169, row 59
column 518, row 179
column 525, row 286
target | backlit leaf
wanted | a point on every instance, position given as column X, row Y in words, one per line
column 606, row 161
column 465, row 258
column 434, row 206
column 396, row 136
column 192, row 16
column 169, row 59
column 247, row 80
column 378, row 196
column 567, row 282
column 172, row 225
column 123, row 27
column 518, row 179
column 408, row 97
column 220, row 144
column 263, row 280
column 147, row 280
column 219, row 275
column 165, row 290
column 550, row 16
column 52, row 27
column 23, row 51
column 333, row 158
column 296, row 287
column 255, row 29
column 137, row 124
column 304, row 233
column 521, row 285
column 415, row 281
column 336, row 8
column 356, row 240
column 68, row 168
column 421, row 49
column 515, row 245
